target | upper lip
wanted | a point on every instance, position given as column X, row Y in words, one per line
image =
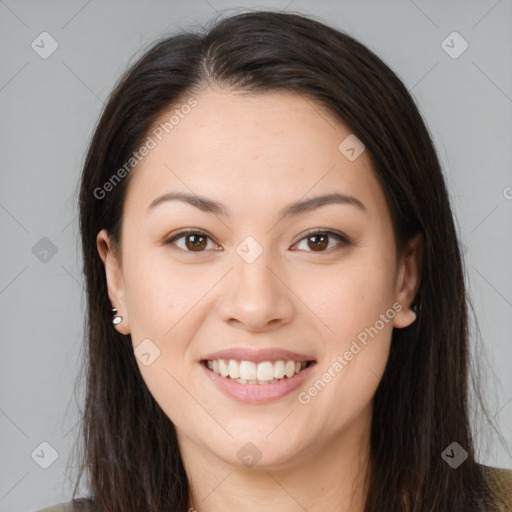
column 257, row 356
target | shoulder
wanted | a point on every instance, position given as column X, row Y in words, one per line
column 500, row 482
column 77, row 505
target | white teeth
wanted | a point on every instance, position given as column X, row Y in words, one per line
column 248, row 372
column 279, row 369
column 243, row 381
column 223, row 368
column 234, row 369
column 265, row 371
column 290, row 368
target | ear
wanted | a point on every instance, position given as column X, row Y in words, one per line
column 408, row 282
column 115, row 282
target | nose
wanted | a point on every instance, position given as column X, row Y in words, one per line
column 256, row 297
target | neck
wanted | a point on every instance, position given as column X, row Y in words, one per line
column 327, row 476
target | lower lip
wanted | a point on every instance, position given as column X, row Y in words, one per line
column 258, row 393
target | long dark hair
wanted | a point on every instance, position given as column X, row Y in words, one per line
column 130, row 449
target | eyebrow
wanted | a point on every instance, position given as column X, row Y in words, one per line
column 210, row 206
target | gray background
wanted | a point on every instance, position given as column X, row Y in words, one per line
column 48, row 108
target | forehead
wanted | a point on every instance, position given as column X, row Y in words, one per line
column 233, row 146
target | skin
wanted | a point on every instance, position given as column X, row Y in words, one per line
column 256, row 154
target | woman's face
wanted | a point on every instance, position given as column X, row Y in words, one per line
column 251, row 286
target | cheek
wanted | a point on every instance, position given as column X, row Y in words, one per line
column 165, row 306
column 352, row 297
column 156, row 293
column 350, row 372
column 165, row 385
column 158, row 306
column 358, row 307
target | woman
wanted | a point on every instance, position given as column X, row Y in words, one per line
column 263, row 212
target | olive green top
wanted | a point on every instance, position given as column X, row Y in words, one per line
column 500, row 481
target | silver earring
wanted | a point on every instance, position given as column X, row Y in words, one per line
column 117, row 319
column 416, row 308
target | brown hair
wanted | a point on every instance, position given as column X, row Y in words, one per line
column 130, row 451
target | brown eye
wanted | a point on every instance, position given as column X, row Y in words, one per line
column 195, row 241
column 318, row 241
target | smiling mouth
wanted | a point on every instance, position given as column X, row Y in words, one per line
column 249, row 372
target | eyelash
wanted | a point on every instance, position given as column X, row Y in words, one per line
column 345, row 241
